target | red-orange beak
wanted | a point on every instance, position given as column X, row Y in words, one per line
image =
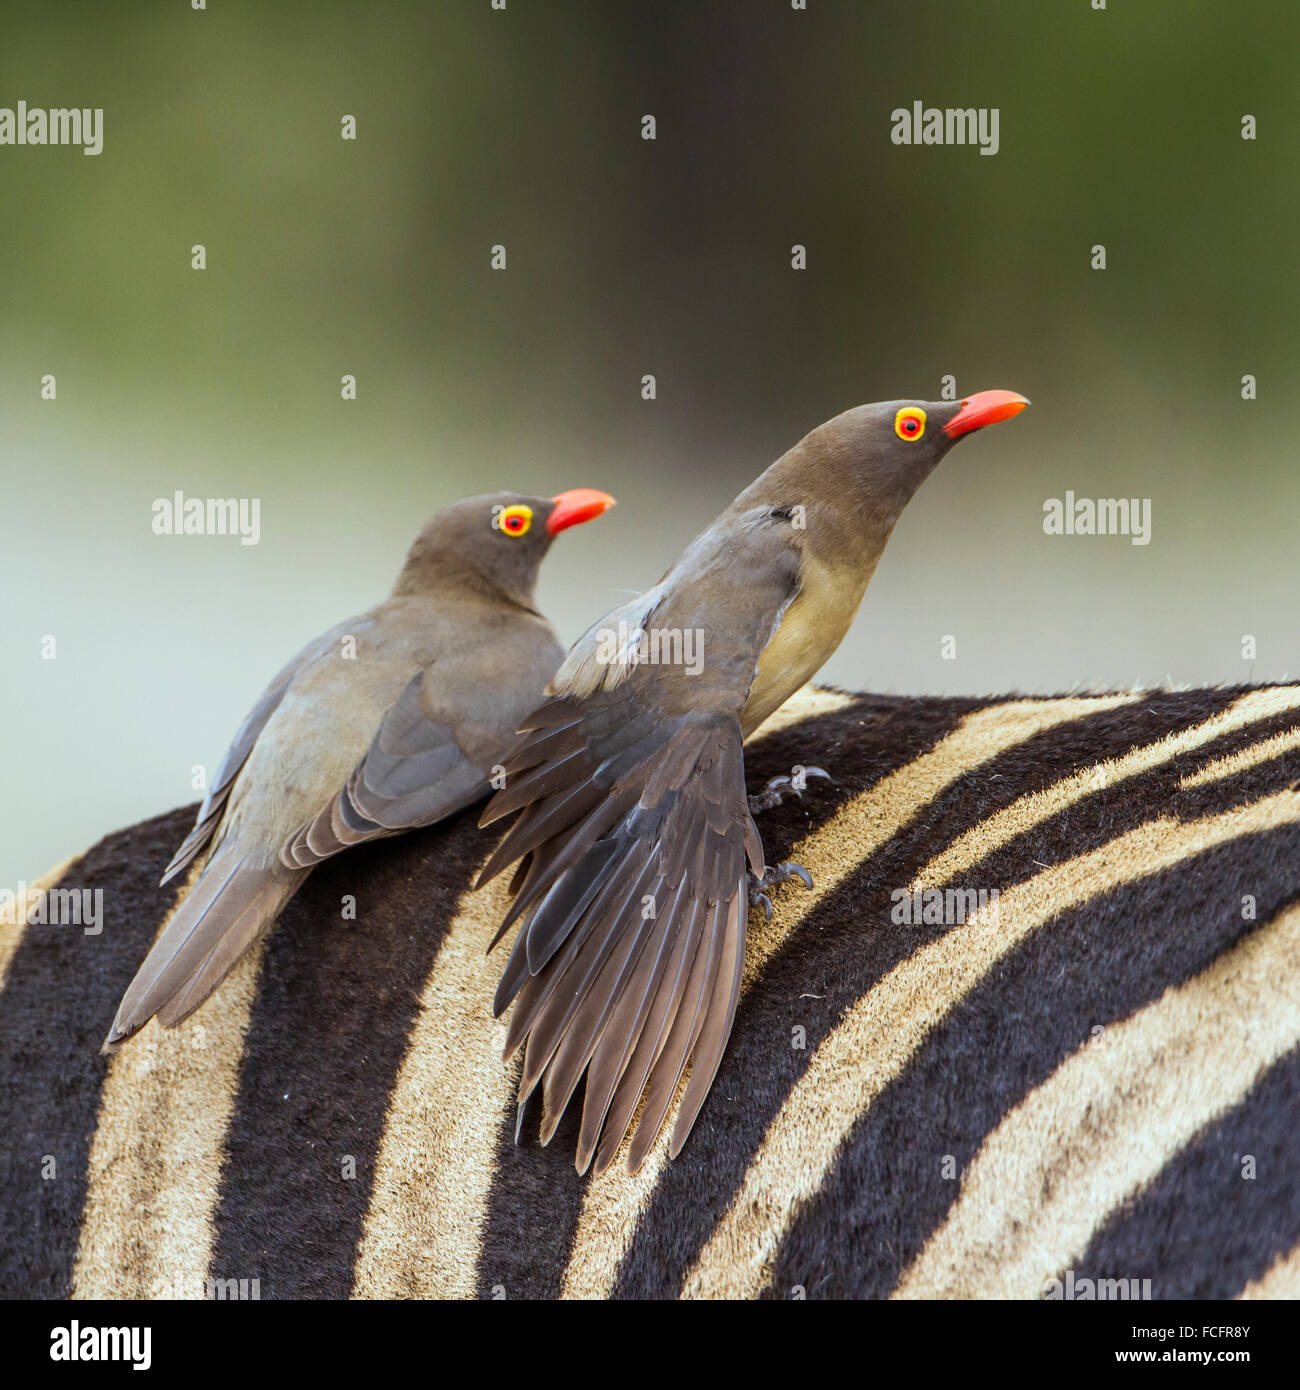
column 577, row 505
column 984, row 408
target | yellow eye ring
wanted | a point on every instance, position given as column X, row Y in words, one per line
column 514, row 521
column 909, row 423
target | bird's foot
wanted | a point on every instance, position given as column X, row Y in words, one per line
column 776, row 790
column 771, row 878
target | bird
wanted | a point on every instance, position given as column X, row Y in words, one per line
column 637, row 855
column 390, row 720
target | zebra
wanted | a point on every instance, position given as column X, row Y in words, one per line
column 1091, row 1079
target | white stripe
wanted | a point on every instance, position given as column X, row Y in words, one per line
column 883, row 1031
column 1106, row 1122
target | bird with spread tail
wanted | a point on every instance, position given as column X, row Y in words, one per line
column 638, row 856
column 388, row 721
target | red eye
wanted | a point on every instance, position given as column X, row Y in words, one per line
column 909, row 423
column 514, row 521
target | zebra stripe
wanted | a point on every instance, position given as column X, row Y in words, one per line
column 977, row 1108
column 423, row 1229
column 150, row 1218
column 1138, row 1095
column 613, row 1205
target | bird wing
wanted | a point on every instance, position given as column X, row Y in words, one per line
column 426, row 760
column 636, row 827
column 433, row 752
column 414, row 773
column 214, row 803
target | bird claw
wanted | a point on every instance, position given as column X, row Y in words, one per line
column 773, row 794
column 773, row 878
column 783, row 873
column 795, row 871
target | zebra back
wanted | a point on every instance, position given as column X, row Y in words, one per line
column 1039, row 1020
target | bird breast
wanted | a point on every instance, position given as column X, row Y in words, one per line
column 811, row 627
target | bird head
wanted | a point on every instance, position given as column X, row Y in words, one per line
column 897, row 440
column 867, row 463
column 495, row 541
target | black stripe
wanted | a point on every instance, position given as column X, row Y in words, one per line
column 533, row 1206
column 1091, row 966
column 59, row 998
column 1202, row 1229
column 335, row 1006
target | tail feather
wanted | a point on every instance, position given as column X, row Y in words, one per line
column 226, row 911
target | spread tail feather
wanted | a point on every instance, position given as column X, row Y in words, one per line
column 627, row 967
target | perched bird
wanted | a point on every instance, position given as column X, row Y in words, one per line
column 388, row 721
column 640, row 854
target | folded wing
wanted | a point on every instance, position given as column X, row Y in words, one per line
column 414, row 773
column 214, row 803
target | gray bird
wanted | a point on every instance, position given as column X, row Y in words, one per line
column 388, row 721
column 640, row 854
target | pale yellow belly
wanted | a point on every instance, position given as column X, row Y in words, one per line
column 812, row 627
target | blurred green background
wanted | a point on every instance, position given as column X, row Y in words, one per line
column 477, row 127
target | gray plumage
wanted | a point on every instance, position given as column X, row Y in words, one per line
column 634, row 830
column 389, row 721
